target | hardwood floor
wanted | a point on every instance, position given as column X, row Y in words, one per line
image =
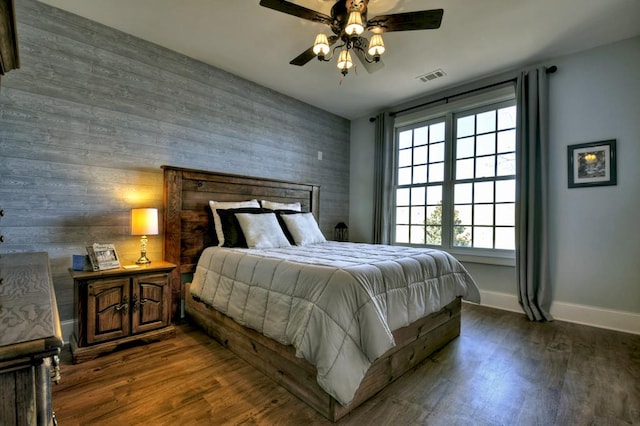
column 502, row 370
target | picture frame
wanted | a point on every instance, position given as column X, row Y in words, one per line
column 592, row 164
column 103, row 256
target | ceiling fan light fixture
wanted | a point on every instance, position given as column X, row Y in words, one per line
column 321, row 46
column 376, row 46
column 354, row 27
column 344, row 61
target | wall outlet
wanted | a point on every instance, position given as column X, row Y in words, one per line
column 320, row 155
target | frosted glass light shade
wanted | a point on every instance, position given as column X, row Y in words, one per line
column 344, row 60
column 376, row 45
column 321, row 45
column 354, row 24
column 144, row 222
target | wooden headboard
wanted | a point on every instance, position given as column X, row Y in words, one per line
column 188, row 222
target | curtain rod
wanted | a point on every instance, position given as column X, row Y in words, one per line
column 549, row 70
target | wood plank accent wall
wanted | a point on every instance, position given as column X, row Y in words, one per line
column 92, row 114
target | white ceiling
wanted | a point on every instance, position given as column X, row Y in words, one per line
column 477, row 38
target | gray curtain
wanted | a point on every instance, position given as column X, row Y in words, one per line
column 532, row 159
column 383, row 183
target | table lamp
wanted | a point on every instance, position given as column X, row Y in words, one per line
column 144, row 222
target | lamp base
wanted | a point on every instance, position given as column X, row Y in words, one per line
column 143, row 252
column 143, row 259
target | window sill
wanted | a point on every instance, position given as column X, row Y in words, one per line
column 486, row 260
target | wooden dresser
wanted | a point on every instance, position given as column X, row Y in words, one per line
column 30, row 339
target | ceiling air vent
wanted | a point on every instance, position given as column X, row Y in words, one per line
column 431, row 75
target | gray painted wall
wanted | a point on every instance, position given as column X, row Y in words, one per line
column 92, row 114
column 595, row 95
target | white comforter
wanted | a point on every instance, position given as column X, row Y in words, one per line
column 336, row 303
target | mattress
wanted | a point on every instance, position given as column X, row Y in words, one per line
column 337, row 304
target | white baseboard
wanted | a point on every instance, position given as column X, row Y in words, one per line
column 628, row 322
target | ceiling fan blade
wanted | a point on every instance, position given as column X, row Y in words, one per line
column 371, row 67
column 295, row 10
column 308, row 54
column 304, row 57
column 423, row 20
column 360, row 46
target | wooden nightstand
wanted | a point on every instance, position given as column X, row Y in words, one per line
column 119, row 306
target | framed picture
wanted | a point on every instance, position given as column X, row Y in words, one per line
column 103, row 256
column 592, row 164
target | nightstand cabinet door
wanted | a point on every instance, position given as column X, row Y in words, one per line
column 108, row 304
column 150, row 302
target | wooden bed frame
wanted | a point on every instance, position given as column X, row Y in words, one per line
column 188, row 230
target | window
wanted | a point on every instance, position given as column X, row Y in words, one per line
column 455, row 182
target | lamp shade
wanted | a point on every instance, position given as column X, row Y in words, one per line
column 354, row 24
column 144, row 221
column 376, row 45
column 321, row 45
column 344, row 60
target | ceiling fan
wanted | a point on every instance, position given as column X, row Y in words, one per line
column 348, row 21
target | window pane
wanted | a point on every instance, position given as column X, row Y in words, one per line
column 434, row 215
column 506, row 214
column 419, row 174
column 483, row 192
column 507, row 117
column 402, row 234
column 404, row 176
column 434, row 235
column 483, row 214
column 417, row 235
column 405, row 139
column 464, row 169
column 486, row 166
column 434, row 195
column 417, row 215
column 420, row 136
column 417, row 196
column 436, row 152
column 486, row 122
column 464, row 147
column 463, row 193
column 462, row 236
column 462, row 215
column 436, row 172
column 420, row 155
column 506, row 164
column 402, row 197
column 482, row 166
column 436, row 132
column 486, row 144
column 402, row 215
column 506, row 238
column 465, row 126
column 507, row 141
column 482, row 237
column 506, row 190
column 404, row 158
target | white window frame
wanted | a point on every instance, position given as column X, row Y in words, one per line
column 447, row 111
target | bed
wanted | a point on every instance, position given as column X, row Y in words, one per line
column 401, row 342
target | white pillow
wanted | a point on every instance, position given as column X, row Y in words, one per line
column 273, row 205
column 215, row 205
column 262, row 230
column 303, row 228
